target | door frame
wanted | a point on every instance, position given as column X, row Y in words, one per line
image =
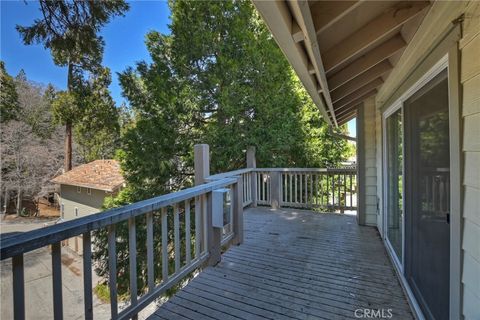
column 449, row 61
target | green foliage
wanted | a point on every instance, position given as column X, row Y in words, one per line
column 64, row 107
column 69, row 29
column 219, row 78
column 98, row 130
column 8, row 96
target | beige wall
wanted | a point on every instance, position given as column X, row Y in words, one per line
column 370, row 165
column 470, row 79
column 86, row 204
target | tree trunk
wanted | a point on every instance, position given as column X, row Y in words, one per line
column 19, row 201
column 68, row 146
column 6, row 200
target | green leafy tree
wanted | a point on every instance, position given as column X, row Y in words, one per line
column 219, row 78
column 8, row 96
column 98, row 129
column 69, row 29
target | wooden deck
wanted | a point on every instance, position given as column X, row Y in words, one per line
column 294, row 264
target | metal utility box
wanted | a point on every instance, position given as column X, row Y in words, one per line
column 221, row 208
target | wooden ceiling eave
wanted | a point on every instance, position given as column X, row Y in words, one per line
column 281, row 24
column 341, row 71
column 303, row 16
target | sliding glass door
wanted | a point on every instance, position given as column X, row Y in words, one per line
column 417, row 192
column 394, row 174
column 427, row 195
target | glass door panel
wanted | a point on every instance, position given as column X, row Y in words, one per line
column 427, row 166
column 394, row 154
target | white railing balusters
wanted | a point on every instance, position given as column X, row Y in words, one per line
column 188, row 238
column 14, row 247
column 164, row 245
column 198, row 225
column 309, row 188
column 132, row 257
column 87, row 275
column 176, row 236
column 150, row 263
column 112, row 270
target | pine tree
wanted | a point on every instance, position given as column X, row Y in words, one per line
column 69, row 29
column 8, row 96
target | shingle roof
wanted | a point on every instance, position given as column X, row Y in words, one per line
column 99, row 174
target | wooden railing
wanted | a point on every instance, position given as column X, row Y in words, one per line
column 178, row 258
column 186, row 238
column 328, row 189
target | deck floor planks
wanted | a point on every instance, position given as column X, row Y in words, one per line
column 294, row 264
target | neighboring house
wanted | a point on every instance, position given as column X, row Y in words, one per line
column 84, row 188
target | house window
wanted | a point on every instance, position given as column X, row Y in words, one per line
column 76, row 212
column 62, row 210
column 89, row 191
column 79, row 189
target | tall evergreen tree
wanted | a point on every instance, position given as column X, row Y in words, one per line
column 218, row 78
column 97, row 131
column 69, row 29
column 8, row 96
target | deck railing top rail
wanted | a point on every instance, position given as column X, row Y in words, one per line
column 342, row 169
column 35, row 239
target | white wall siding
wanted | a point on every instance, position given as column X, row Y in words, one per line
column 470, row 78
column 370, row 154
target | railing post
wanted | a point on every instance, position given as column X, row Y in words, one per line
column 201, row 163
column 252, row 163
column 214, row 235
column 275, row 191
column 238, row 211
column 202, row 172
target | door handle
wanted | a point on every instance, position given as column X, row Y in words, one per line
column 447, row 217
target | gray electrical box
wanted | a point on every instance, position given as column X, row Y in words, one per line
column 221, row 208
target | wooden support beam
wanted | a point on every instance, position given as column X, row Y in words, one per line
column 297, row 33
column 348, row 118
column 278, row 17
column 352, row 105
column 358, row 93
column 326, row 13
column 301, row 10
column 311, row 68
column 361, row 80
column 367, row 61
column 373, row 31
column 351, row 111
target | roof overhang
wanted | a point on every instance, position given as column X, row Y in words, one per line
column 342, row 51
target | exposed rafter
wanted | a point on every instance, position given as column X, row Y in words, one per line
column 297, row 33
column 361, row 80
column 352, row 105
column 301, row 10
column 326, row 13
column 347, row 117
column 358, row 93
column 367, row 61
column 372, row 32
column 278, row 18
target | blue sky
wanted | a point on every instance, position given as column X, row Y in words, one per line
column 124, row 41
